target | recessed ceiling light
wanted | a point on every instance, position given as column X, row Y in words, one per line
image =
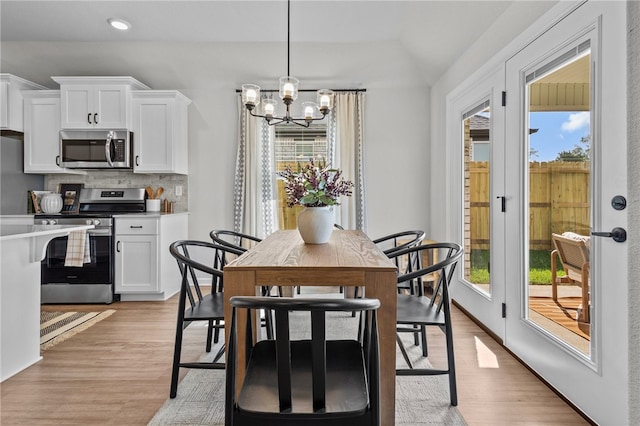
column 119, row 24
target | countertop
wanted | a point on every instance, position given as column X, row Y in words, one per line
column 10, row 232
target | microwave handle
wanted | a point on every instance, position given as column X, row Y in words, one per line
column 107, row 148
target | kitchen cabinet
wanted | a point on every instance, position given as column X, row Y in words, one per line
column 96, row 102
column 41, row 132
column 160, row 128
column 11, row 101
column 145, row 270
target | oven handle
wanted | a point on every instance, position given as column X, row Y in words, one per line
column 99, row 232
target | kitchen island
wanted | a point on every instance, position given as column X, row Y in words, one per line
column 22, row 247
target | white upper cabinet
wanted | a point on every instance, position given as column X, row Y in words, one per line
column 11, row 101
column 41, row 130
column 96, row 102
column 160, row 131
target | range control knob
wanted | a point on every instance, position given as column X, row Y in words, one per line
column 52, row 222
column 89, row 221
column 44, row 222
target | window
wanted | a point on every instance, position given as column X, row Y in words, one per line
column 296, row 144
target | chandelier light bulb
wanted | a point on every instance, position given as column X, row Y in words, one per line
column 269, row 107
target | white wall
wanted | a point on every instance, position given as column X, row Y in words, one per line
column 396, row 111
column 493, row 46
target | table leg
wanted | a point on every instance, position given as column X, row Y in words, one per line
column 382, row 286
column 238, row 283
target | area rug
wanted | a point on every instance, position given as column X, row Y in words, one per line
column 56, row 327
column 420, row 400
column 562, row 312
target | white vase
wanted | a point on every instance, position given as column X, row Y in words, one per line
column 315, row 224
column 51, row 203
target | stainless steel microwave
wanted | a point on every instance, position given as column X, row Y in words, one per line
column 96, row 149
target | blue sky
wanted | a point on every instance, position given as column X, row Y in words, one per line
column 558, row 131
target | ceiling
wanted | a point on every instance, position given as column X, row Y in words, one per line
column 433, row 33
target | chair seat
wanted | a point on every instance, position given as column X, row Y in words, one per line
column 417, row 310
column 210, row 308
column 346, row 393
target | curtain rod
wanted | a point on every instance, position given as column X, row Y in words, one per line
column 309, row 90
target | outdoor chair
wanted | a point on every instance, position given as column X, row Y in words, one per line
column 417, row 311
column 313, row 380
column 573, row 251
column 201, row 307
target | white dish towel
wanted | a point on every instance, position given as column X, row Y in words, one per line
column 77, row 249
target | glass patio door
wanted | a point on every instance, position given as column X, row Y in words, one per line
column 565, row 130
column 476, row 122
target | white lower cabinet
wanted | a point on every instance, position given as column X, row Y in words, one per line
column 145, row 270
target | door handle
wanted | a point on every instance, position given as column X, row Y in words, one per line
column 618, row 234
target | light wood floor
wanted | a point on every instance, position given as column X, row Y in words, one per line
column 117, row 373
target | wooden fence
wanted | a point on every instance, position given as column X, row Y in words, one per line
column 559, row 197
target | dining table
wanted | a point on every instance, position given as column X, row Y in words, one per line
column 350, row 258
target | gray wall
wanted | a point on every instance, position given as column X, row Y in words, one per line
column 14, row 184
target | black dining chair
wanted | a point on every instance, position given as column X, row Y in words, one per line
column 417, row 311
column 237, row 240
column 244, row 242
column 399, row 240
column 394, row 242
column 193, row 303
column 313, row 380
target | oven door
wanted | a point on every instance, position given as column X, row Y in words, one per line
column 98, row 271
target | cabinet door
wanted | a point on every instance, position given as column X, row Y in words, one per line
column 153, row 129
column 77, row 106
column 136, row 263
column 88, row 106
column 42, row 127
column 110, row 107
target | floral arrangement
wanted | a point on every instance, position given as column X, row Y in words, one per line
column 314, row 185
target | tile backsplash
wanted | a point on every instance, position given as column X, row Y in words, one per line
column 123, row 179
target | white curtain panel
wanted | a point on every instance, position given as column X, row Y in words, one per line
column 255, row 185
column 345, row 140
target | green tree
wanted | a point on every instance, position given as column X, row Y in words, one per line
column 579, row 152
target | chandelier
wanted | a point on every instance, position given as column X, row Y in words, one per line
column 288, row 92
